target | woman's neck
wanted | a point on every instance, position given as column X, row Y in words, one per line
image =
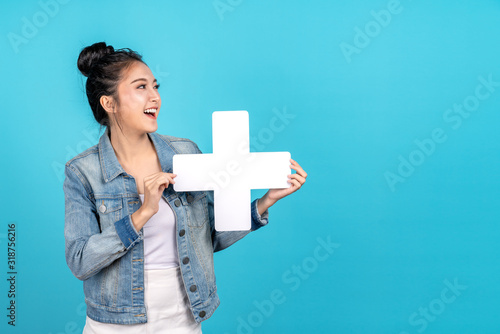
column 130, row 147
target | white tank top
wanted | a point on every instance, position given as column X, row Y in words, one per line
column 160, row 247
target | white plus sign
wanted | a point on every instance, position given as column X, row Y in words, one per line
column 231, row 171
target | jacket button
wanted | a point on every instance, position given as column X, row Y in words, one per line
column 190, row 198
column 102, row 208
column 202, row 314
column 192, row 288
column 182, row 232
column 177, row 202
column 185, row 260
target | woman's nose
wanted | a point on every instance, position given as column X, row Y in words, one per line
column 155, row 96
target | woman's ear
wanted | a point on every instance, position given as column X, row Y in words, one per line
column 108, row 103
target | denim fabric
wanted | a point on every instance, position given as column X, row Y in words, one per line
column 104, row 250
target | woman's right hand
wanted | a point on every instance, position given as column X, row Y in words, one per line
column 154, row 185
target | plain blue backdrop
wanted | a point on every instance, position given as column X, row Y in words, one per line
column 393, row 110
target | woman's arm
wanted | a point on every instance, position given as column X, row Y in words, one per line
column 87, row 248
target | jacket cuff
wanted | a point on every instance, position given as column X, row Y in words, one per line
column 127, row 233
column 258, row 220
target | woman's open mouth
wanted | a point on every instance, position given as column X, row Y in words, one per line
column 151, row 113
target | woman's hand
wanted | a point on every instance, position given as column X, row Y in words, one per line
column 154, row 185
column 273, row 195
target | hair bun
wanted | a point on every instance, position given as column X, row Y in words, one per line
column 90, row 55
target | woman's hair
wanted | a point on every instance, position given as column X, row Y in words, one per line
column 104, row 66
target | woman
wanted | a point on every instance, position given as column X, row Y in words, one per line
column 143, row 251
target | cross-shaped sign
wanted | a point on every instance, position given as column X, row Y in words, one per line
column 231, row 171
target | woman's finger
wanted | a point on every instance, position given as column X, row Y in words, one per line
column 159, row 174
column 298, row 177
column 164, row 179
column 170, row 178
column 298, row 169
column 295, row 183
column 154, row 183
column 160, row 178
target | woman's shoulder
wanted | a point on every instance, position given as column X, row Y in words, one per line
column 183, row 145
column 173, row 138
column 87, row 155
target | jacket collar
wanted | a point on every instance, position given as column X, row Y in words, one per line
column 110, row 166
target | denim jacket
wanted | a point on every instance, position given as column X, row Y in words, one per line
column 104, row 250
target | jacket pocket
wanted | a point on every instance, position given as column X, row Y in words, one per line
column 197, row 208
column 109, row 210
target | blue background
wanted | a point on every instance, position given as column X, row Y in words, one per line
column 355, row 118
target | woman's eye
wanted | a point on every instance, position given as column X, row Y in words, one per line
column 157, row 86
column 142, row 86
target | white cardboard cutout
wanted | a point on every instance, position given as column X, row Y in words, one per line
column 231, row 171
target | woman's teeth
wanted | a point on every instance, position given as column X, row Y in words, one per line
column 150, row 112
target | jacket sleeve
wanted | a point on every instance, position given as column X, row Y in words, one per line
column 87, row 248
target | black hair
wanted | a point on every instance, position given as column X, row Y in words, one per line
column 104, row 66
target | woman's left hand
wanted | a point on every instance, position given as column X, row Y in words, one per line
column 273, row 195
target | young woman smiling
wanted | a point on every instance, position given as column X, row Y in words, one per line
column 143, row 251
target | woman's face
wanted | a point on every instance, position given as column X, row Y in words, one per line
column 138, row 92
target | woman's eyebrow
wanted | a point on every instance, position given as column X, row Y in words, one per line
column 143, row 79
